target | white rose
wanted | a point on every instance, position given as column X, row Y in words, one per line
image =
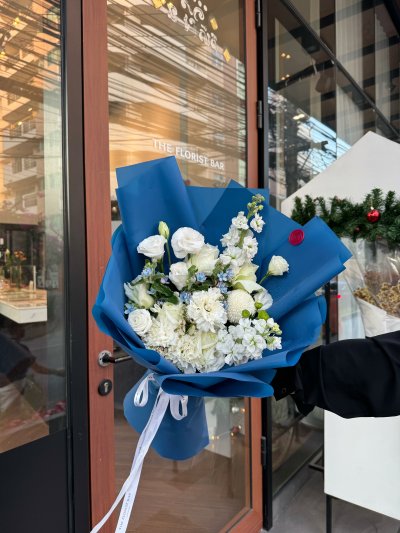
column 138, row 295
column 140, row 321
column 153, row 247
column 186, row 241
column 178, row 274
column 171, row 314
column 205, row 259
column 264, row 298
column 278, row 266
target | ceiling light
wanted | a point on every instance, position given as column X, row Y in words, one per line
column 288, row 56
column 30, row 109
column 19, row 123
column 283, row 54
column 283, row 78
column 287, row 76
column 299, row 116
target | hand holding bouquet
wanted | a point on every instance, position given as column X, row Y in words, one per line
column 193, row 308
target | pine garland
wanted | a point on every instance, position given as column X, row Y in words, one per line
column 348, row 219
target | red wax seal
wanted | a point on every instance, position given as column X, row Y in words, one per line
column 296, row 237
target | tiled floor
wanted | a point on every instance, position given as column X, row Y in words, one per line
column 306, row 514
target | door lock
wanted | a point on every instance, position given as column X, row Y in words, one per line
column 105, row 387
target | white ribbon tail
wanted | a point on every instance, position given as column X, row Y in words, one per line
column 129, row 488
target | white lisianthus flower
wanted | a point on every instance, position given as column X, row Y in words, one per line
column 278, row 266
column 153, row 247
column 240, row 222
column 257, row 223
column 239, row 301
column 138, row 295
column 264, row 298
column 140, row 321
column 231, row 238
column 186, row 241
column 178, row 274
column 205, row 260
column 206, row 310
column 171, row 314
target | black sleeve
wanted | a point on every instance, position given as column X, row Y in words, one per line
column 352, row 378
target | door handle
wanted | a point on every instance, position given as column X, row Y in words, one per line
column 105, row 358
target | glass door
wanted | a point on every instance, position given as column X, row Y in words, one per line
column 177, row 86
column 34, row 302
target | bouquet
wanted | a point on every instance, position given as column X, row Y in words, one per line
column 206, row 315
column 373, row 275
column 207, row 310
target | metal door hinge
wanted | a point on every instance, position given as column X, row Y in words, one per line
column 264, row 452
column 260, row 117
column 258, row 14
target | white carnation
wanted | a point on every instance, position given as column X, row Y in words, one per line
column 239, row 301
column 161, row 334
column 178, row 274
column 186, row 241
column 140, row 321
column 278, row 266
column 240, row 222
column 257, row 223
column 206, row 310
column 153, row 247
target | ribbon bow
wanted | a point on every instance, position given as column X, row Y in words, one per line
column 178, row 409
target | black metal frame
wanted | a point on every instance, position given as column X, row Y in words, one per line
column 75, row 258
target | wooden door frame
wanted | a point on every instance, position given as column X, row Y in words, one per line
column 98, row 229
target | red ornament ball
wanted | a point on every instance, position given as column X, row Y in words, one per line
column 373, row 216
column 296, row 237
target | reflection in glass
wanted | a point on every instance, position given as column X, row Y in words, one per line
column 32, row 362
column 177, row 87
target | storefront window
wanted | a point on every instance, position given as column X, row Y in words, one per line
column 32, row 343
column 177, row 87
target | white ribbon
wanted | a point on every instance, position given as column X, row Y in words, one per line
column 178, row 408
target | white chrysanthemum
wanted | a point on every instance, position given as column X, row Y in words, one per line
column 231, row 238
column 239, row 301
column 257, row 223
column 206, row 310
column 161, row 334
column 240, row 222
column 250, row 247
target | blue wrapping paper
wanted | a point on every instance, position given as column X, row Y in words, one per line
column 154, row 191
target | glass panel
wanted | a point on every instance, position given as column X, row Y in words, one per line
column 301, row 107
column 387, row 66
column 32, row 358
column 177, row 87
